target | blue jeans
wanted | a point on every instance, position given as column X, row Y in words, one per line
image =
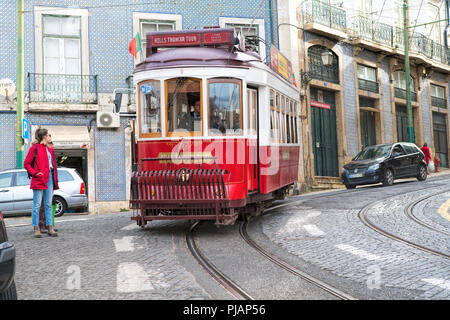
column 37, row 199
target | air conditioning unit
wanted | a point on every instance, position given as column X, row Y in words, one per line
column 108, row 119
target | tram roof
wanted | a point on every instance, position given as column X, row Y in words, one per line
column 202, row 56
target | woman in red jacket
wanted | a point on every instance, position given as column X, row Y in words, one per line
column 44, row 180
column 427, row 154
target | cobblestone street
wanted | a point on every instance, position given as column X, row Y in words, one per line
column 108, row 257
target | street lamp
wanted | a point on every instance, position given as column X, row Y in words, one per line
column 327, row 58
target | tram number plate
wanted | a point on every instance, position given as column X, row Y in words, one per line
column 355, row 175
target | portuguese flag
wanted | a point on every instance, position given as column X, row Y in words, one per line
column 135, row 45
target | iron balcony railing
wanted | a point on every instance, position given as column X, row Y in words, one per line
column 368, row 85
column 438, row 102
column 421, row 44
column 401, row 93
column 315, row 11
column 63, row 88
column 373, row 30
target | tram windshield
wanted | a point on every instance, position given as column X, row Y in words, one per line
column 184, row 106
column 225, row 112
column 150, row 104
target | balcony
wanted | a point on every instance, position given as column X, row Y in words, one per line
column 368, row 85
column 374, row 31
column 62, row 88
column 325, row 19
column 401, row 93
column 438, row 102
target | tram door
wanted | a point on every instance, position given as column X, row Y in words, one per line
column 440, row 138
column 252, row 125
column 323, row 126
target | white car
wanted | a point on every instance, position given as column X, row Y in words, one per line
column 16, row 197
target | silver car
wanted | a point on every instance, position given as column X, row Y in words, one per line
column 16, row 197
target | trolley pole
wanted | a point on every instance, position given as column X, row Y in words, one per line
column 20, row 80
column 407, row 73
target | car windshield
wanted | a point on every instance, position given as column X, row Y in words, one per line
column 374, row 152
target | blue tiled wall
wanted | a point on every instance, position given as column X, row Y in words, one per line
column 110, row 179
column 110, row 29
column 7, row 140
column 110, row 183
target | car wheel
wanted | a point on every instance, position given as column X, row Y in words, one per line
column 61, row 206
column 388, row 179
column 422, row 176
column 350, row 186
column 10, row 293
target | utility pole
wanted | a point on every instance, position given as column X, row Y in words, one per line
column 407, row 73
column 20, row 80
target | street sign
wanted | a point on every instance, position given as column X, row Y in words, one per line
column 25, row 129
column 7, row 87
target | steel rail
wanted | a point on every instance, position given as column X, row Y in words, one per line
column 409, row 212
column 362, row 214
column 243, row 230
column 215, row 273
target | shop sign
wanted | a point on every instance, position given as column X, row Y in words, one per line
column 280, row 64
column 320, row 105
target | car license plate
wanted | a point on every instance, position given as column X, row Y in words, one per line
column 355, row 175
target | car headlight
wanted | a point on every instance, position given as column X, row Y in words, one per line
column 343, row 170
column 374, row 167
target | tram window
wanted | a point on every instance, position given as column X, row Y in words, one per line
column 184, row 107
column 252, row 104
column 292, row 129
column 272, row 116
column 288, row 129
column 279, row 126
column 296, row 131
column 272, row 128
column 272, row 105
column 150, row 97
column 283, row 118
column 225, row 107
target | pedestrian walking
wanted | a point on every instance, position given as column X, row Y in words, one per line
column 40, row 164
column 427, row 153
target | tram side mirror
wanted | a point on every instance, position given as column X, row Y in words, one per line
column 117, row 102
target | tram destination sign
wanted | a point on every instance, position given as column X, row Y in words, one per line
column 190, row 38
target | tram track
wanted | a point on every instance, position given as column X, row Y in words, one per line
column 362, row 215
column 215, row 273
column 409, row 212
column 243, row 230
column 235, row 290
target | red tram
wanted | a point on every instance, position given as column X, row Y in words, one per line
column 216, row 129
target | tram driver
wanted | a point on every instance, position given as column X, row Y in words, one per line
column 195, row 117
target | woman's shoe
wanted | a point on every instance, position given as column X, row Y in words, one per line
column 51, row 232
column 37, row 232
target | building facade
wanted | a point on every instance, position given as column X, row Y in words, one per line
column 76, row 56
column 359, row 98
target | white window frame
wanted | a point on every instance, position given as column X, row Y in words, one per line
column 366, row 72
column 248, row 21
column 364, row 8
column 39, row 11
column 434, row 89
column 434, row 30
column 138, row 17
column 400, row 81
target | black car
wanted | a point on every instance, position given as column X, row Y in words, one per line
column 384, row 163
column 7, row 265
